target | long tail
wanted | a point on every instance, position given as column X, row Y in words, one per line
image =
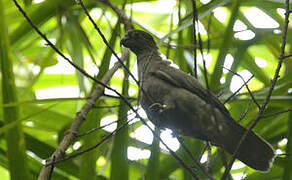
column 254, row 151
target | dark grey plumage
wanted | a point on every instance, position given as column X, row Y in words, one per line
column 175, row 100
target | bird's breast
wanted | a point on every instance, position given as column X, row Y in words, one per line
column 152, row 90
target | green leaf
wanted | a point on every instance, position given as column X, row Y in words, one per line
column 152, row 170
column 225, row 45
column 287, row 175
column 14, row 137
column 119, row 157
column 75, row 46
column 39, row 15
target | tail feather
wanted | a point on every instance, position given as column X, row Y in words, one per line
column 254, row 151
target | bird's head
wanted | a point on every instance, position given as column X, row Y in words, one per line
column 139, row 42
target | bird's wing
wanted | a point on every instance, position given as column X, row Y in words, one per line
column 180, row 79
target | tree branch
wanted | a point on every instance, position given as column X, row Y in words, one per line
column 80, row 117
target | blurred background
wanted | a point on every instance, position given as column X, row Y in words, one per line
column 241, row 35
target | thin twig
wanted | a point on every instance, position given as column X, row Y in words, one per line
column 244, row 114
column 176, row 46
column 276, row 113
column 51, row 169
column 120, row 13
column 169, row 39
column 100, row 127
column 284, row 154
column 204, row 63
column 197, row 163
column 287, row 56
column 262, row 98
column 112, row 106
column 41, row 101
column 208, row 32
column 90, row 148
column 118, row 97
column 245, row 84
column 209, row 154
column 188, row 168
column 195, row 21
column 203, row 151
column 200, row 46
column 273, row 83
column 234, row 94
column 207, row 148
column 105, row 41
column 224, row 160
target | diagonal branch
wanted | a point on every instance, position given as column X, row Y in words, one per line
column 197, row 163
column 80, row 117
column 195, row 21
column 244, row 84
column 120, row 13
column 100, row 127
column 105, row 41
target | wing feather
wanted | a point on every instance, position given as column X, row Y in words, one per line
column 180, row 79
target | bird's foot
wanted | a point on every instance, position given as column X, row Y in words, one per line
column 157, row 107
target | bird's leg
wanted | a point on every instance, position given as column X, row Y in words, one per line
column 160, row 111
column 157, row 107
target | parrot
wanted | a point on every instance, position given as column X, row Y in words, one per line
column 176, row 100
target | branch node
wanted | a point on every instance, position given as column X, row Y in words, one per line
column 91, row 102
column 70, row 131
column 81, row 114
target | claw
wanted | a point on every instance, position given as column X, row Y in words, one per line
column 157, row 107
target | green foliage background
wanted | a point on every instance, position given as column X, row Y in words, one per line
column 31, row 128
